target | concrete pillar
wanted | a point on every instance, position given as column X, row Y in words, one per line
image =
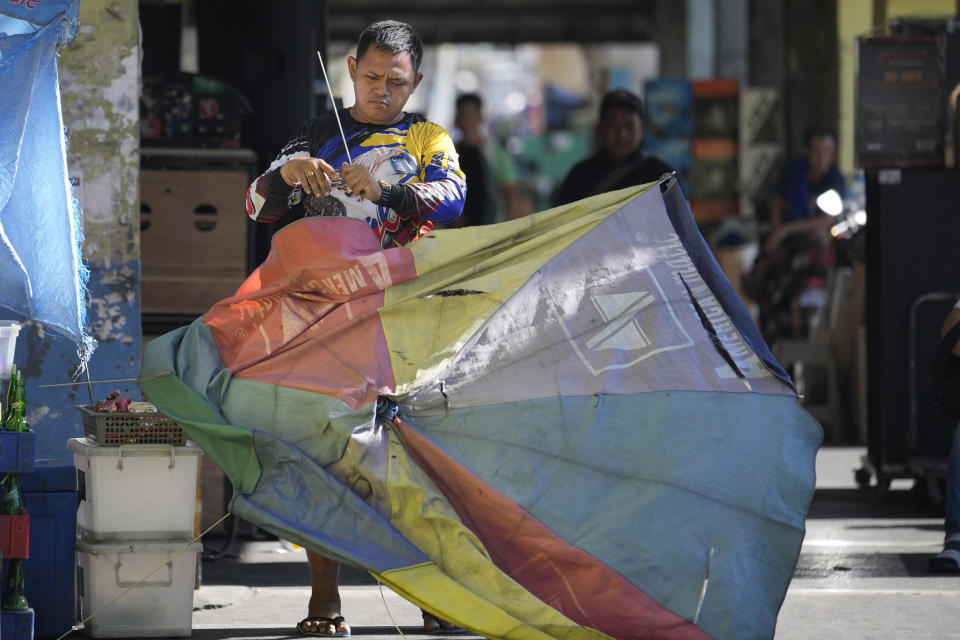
column 671, row 21
column 854, row 18
column 812, row 89
column 733, row 30
column 701, row 39
column 767, row 49
column 915, row 8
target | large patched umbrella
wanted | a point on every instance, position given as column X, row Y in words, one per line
column 591, row 438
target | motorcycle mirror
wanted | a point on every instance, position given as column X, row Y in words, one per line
column 830, row 203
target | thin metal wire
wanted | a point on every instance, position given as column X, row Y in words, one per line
column 87, row 382
column 385, row 606
column 89, row 387
column 334, row 105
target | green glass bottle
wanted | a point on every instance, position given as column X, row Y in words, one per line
column 12, row 504
column 12, row 417
column 11, row 394
column 22, row 425
column 13, row 598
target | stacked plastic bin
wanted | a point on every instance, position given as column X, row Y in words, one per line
column 136, row 477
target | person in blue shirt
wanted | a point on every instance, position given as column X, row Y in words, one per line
column 797, row 252
column 793, row 208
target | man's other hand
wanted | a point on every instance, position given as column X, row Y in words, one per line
column 360, row 181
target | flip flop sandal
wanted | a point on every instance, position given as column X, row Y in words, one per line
column 451, row 630
column 324, row 621
column 447, row 631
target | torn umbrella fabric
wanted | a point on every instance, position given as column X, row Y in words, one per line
column 592, row 439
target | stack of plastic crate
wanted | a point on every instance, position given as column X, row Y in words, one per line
column 137, row 478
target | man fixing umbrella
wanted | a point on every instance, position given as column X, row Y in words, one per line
column 392, row 170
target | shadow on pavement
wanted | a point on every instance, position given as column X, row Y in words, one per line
column 862, row 503
column 862, row 565
column 265, row 633
column 231, row 571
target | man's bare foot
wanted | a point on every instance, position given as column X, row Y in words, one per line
column 323, row 611
column 434, row 625
column 330, row 625
column 324, row 618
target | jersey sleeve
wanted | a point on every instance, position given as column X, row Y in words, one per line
column 442, row 190
column 269, row 198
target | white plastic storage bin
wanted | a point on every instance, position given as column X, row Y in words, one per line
column 9, row 330
column 160, row 606
column 135, row 491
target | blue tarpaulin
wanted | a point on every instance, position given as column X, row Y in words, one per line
column 42, row 276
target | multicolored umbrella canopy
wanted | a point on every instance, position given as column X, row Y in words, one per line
column 592, row 439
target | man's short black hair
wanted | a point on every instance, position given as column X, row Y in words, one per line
column 818, row 132
column 470, row 98
column 394, row 36
column 621, row 98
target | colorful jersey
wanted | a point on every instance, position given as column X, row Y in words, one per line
column 414, row 155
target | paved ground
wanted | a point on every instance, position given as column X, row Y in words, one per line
column 862, row 571
column 861, row 574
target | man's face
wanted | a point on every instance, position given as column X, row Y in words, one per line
column 382, row 84
column 821, row 153
column 468, row 117
column 620, row 132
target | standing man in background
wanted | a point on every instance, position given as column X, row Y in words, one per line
column 403, row 178
column 481, row 204
column 495, row 192
column 619, row 163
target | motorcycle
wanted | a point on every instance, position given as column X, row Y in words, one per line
column 789, row 282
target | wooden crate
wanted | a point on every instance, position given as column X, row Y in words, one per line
column 193, row 238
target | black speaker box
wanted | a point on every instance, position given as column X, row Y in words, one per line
column 913, row 256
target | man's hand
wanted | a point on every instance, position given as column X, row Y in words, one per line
column 360, row 181
column 312, row 173
column 774, row 238
column 817, row 228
